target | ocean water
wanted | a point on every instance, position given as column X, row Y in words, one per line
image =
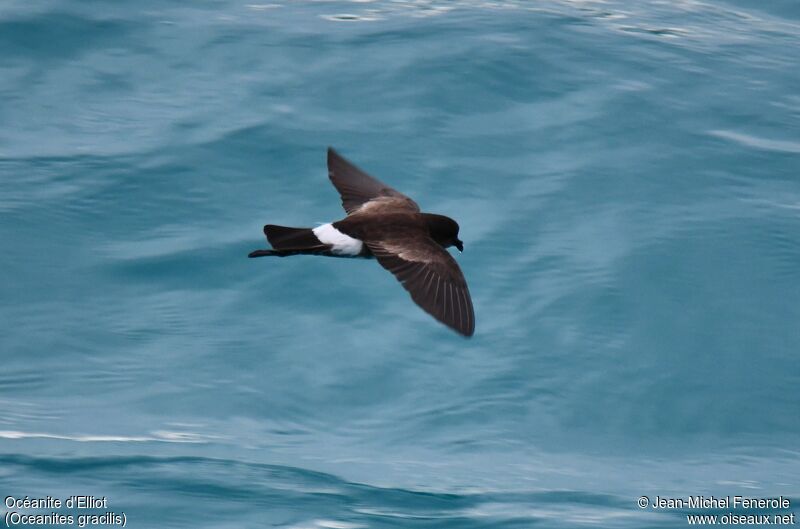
column 626, row 175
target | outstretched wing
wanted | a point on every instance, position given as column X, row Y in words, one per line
column 357, row 187
column 431, row 276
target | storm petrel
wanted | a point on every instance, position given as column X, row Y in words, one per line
column 384, row 223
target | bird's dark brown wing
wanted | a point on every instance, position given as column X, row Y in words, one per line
column 431, row 276
column 357, row 187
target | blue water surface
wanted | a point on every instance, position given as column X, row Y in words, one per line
column 627, row 178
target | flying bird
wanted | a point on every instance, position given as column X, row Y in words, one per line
column 387, row 225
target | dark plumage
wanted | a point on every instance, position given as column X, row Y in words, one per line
column 384, row 223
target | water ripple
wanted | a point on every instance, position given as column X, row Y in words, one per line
column 755, row 142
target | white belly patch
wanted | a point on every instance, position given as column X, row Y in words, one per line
column 341, row 244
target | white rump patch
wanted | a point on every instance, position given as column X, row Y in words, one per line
column 342, row 244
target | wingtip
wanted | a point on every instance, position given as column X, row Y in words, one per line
column 332, row 156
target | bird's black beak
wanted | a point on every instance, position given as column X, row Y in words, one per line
column 458, row 244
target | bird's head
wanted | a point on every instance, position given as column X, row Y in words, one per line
column 444, row 230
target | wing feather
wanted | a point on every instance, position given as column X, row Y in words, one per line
column 432, row 277
column 357, row 188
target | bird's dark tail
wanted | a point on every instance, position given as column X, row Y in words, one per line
column 290, row 241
